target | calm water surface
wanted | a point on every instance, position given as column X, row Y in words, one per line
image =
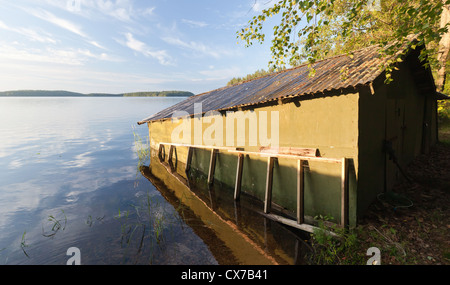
column 69, row 177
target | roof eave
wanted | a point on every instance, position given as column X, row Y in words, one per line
column 306, row 96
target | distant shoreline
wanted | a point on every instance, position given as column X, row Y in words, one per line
column 61, row 93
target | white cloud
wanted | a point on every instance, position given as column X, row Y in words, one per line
column 197, row 24
column 220, row 74
column 96, row 44
column 121, row 14
column 199, row 48
column 138, row 46
column 60, row 22
column 50, row 55
column 36, row 36
column 134, row 44
column 121, row 10
column 32, row 35
column 101, row 56
column 148, row 11
column 259, row 5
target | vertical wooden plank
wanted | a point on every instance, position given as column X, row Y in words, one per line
column 300, row 192
column 344, row 193
column 188, row 160
column 212, row 166
column 269, row 180
column 237, row 186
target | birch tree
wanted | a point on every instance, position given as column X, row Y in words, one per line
column 443, row 49
column 310, row 30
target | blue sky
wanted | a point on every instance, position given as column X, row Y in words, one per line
column 115, row 46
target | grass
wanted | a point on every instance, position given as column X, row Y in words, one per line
column 341, row 250
column 351, row 246
column 142, row 149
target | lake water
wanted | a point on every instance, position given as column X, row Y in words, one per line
column 69, row 177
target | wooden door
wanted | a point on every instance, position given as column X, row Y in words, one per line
column 395, row 116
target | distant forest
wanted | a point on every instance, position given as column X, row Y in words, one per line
column 256, row 74
column 159, row 94
column 48, row 93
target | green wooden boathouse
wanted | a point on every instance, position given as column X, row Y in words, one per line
column 326, row 144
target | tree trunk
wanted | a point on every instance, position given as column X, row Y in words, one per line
column 444, row 48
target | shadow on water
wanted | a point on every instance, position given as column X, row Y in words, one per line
column 234, row 231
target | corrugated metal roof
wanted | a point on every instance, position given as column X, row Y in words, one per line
column 334, row 73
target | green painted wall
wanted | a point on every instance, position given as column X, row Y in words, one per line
column 327, row 123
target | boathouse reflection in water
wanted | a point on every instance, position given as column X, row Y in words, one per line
column 235, row 231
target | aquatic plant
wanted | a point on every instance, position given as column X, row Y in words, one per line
column 6, row 258
column 90, row 221
column 56, row 225
column 141, row 149
column 23, row 244
column 147, row 222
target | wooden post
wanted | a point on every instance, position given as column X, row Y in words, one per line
column 344, row 193
column 212, row 166
column 237, row 186
column 188, row 160
column 269, row 180
column 300, row 192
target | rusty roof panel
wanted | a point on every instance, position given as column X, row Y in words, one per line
column 334, row 73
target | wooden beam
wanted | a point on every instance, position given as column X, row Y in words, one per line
column 237, row 186
column 212, row 166
column 269, row 181
column 292, row 223
column 290, row 151
column 344, row 193
column 300, row 192
column 309, row 158
column 202, row 146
